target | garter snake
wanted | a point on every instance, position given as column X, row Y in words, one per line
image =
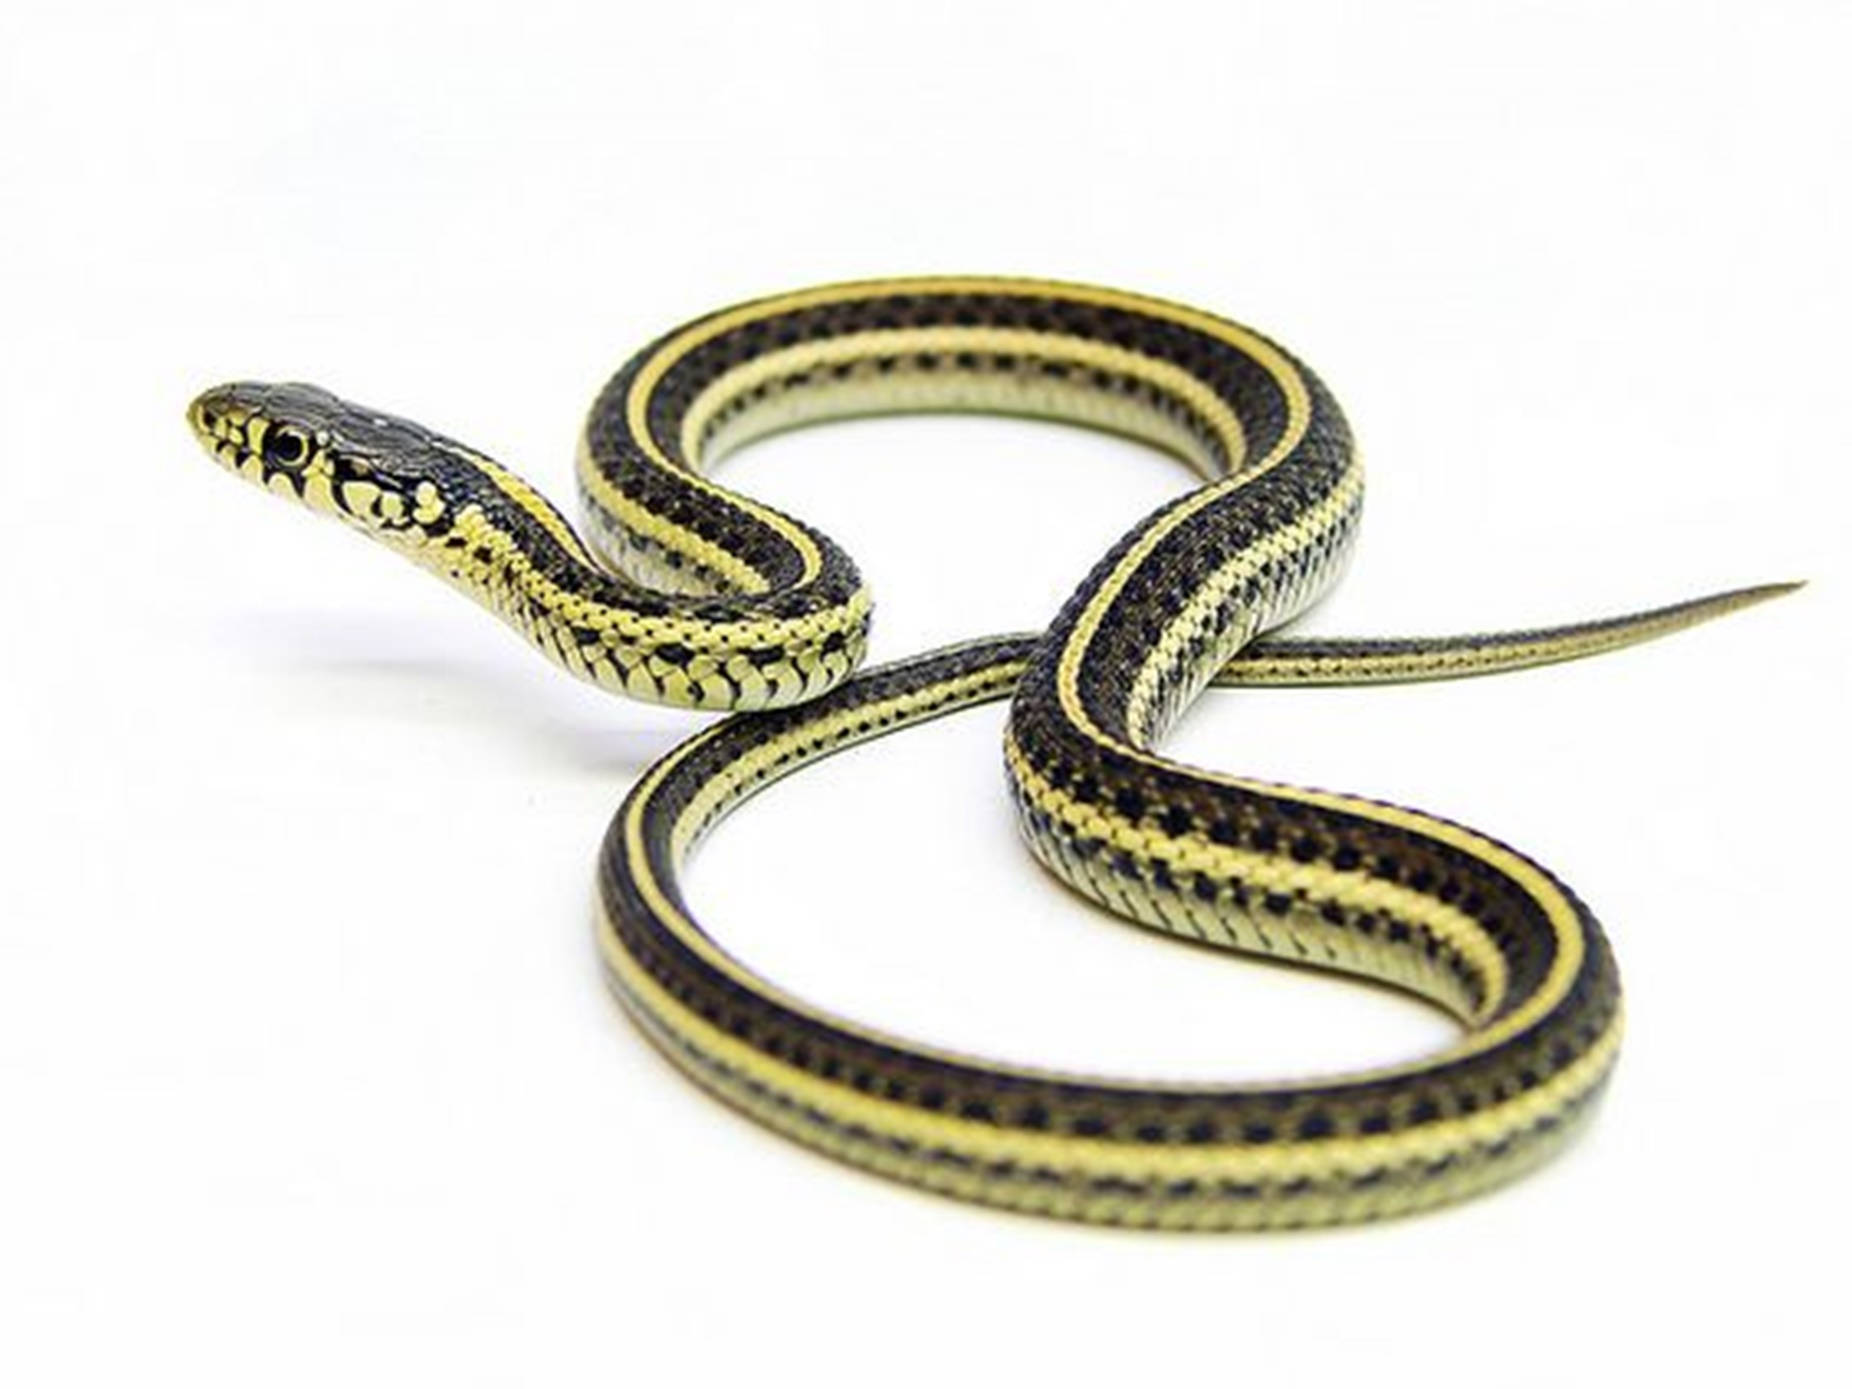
column 687, row 593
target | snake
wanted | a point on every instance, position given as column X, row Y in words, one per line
column 681, row 591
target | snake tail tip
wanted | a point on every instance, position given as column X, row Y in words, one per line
column 1761, row 593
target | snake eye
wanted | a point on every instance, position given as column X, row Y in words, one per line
column 284, row 447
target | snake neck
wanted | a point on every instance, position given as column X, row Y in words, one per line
column 626, row 618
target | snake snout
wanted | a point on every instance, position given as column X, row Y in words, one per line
column 228, row 424
column 209, row 411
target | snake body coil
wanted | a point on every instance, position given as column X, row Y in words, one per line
column 691, row 594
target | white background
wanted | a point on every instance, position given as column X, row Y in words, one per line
column 306, row 1071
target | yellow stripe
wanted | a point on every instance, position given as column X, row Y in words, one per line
column 518, row 491
column 1567, row 927
column 1280, row 1161
column 1299, row 415
column 1195, row 616
column 1195, row 853
column 650, row 374
column 1162, row 376
column 643, row 521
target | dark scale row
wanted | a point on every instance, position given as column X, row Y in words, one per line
column 1146, row 1116
column 1023, row 368
column 1029, row 1177
column 1231, row 374
column 641, row 554
column 1133, row 626
column 1425, row 950
column 1246, row 1117
column 875, row 718
column 1162, row 585
column 1179, row 804
column 1226, row 371
column 1507, row 915
column 1243, row 382
column 1178, row 567
column 679, row 501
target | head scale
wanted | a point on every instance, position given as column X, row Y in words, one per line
column 384, row 475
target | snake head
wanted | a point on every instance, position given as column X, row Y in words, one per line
column 386, row 476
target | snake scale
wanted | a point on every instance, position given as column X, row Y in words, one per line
column 684, row 592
